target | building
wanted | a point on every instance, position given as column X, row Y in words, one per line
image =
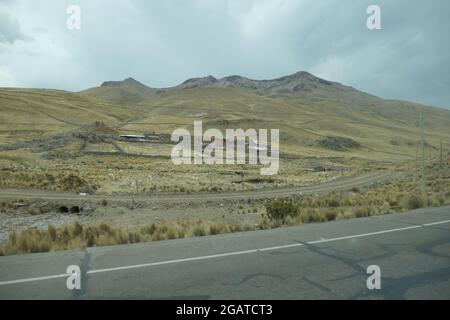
column 134, row 137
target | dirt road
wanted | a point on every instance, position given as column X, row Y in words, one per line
column 336, row 185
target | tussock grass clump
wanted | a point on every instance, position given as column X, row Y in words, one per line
column 331, row 215
column 219, row 228
column 415, row 202
column 362, row 212
column 76, row 235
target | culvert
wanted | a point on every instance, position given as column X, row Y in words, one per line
column 75, row 209
column 63, row 209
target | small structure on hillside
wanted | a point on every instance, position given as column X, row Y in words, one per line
column 134, row 137
column 145, row 137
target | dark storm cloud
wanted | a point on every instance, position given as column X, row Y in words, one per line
column 161, row 43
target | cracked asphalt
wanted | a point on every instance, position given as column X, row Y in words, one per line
column 314, row 261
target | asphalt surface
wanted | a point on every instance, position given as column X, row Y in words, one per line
column 314, row 261
column 336, row 185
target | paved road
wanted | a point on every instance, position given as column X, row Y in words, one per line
column 315, row 261
column 337, row 185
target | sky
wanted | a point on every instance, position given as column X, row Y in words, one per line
column 163, row 43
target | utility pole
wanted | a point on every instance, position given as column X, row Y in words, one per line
column 423, row 184
column 417, row 151
column 440, row 157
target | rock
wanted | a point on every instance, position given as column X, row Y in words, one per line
column 86, row 189
column 338, row 143
column 87, row 209
column 45, row 207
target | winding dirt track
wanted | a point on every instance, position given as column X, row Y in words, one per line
column 336, row 185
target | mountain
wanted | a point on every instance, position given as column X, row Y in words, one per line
column 296, row 83
column 128, row 91
column 306, row 109
column 314, row 115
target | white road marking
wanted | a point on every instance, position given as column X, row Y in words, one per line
column 365, row 234
column 4, row 283
column 236, row 253
column 137, row 266
column 436, row 223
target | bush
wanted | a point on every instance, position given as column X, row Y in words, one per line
column 218, row 228
column 199, row 231
column 280, row 209
column 437, row 200
column 361, row 212
column 415, row 202
column 309, row 216
column 331, row 215
column 334, row 202
column 77, row 229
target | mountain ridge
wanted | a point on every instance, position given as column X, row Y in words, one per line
column 231, row 79
column 302, row 82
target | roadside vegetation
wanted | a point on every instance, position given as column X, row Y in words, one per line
column 77, row 236
column 384, row 199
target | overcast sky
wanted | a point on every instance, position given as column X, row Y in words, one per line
column 162, row 43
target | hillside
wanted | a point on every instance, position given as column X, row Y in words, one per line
column 27, row 114
column 305, row 108
column 314, row 115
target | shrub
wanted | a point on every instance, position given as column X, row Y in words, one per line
column 280, row 209
column 77, row 229
column 331, row 215
column 415, row 202
column 334, row 202
column 437, row 200
column 199, row 231
column 51, row 231
column 236, row 228
column 148, row 230
column 308, row 216
column 361, row 212
column 290, row 221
